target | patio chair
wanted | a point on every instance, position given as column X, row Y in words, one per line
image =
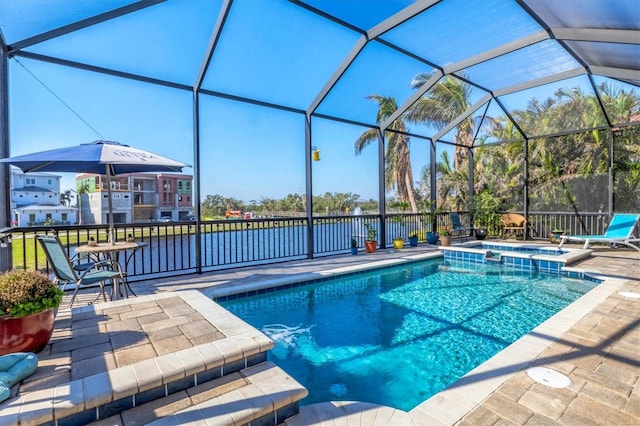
column 458, row 228
column 65, row 273
column 512, row 224
column 619, row 231
column 80, row 264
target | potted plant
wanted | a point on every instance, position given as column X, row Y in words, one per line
column 445, row 236
column 398, row 243
column 413, row 239
column 398, row 240
column 354, row 246
column 28, row 301
column 432, row 237
column 370, row 243
column 480, row 233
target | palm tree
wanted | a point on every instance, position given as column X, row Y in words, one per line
column 65, row 198
column 82, row 189
column 398, row 171
column 442, row 104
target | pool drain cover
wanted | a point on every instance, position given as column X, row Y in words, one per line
column 630, row 294
column 549, row 377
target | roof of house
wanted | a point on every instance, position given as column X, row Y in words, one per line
column 44, row 206
column 32, row 189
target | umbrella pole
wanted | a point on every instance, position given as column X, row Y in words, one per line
column 112, row 233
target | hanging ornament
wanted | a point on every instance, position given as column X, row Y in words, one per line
column 316, row 154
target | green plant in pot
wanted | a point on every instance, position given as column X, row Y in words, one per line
column 371, row 242
column 398, row 240
column 28, row 301
column 444, row 233
column 398, row 243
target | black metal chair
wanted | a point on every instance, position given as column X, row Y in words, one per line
column 459, row 230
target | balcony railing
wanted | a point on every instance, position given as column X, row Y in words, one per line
column 172, row 247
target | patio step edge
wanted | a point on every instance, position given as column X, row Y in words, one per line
column 262, row 392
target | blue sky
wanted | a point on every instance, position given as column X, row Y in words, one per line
column 249, row 152
column 272, row 51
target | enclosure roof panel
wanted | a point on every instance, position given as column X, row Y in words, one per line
column 326, row 58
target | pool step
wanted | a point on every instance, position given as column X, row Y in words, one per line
column 262, row 393
column 143, row 335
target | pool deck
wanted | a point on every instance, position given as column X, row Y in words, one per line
column 594, row 342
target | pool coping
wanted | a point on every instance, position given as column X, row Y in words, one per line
column 453, row 403
column 244, row 290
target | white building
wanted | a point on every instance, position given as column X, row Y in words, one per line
column 35, row 200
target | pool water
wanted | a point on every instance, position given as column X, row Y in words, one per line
column 400, row 335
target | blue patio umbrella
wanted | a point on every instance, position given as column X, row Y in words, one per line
column 99, row 157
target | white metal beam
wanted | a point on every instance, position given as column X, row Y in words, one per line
column 473, row 108
column 603, row 35
column 498, row 51
column 437, row 74
column 621, row 73
column 540, row 81
column 400, row 17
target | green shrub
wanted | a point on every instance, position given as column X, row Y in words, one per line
column 372, row 232
column 24, row 293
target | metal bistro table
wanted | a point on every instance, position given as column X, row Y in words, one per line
column 112, row 251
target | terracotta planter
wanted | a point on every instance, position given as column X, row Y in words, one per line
column 445, row 240
column 26, row 334
column 370, row 246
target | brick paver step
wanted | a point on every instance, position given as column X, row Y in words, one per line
column 263, row 392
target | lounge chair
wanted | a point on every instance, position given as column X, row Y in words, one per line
column 64, row 271
column 619, row 231
column 458, row 228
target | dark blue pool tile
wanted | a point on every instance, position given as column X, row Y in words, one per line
column 461, row 258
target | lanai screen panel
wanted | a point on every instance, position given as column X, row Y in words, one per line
column 24, row 19
column 172, row 38
column 453, row 30
column 568, row 173
column 276, row 52
column 626, row 174
column 378, row 70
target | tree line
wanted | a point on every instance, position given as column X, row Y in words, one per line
column 567, row 172
column 215, row 206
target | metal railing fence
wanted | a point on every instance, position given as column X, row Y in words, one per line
column 171, row 247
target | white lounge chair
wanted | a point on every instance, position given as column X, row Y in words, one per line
column 619, row 231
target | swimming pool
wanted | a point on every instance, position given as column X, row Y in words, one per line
column 398, row 336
